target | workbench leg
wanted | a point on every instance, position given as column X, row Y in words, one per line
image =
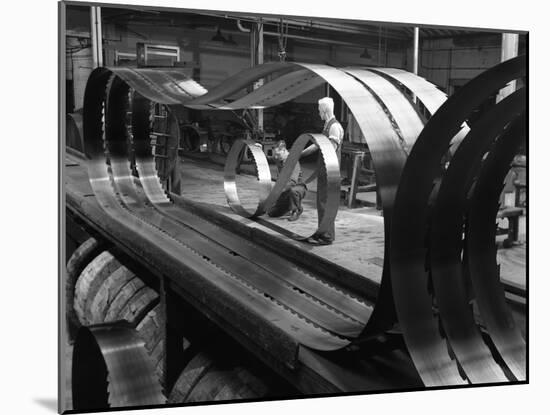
column 513, row 228
column 176, row 178
column 357, row 162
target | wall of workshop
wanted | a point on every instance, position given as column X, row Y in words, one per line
column 446, row 62
column 216, row 61
column 450, row 63
column 79, row 54
column 212, row 62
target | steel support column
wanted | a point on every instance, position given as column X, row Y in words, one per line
column 96, row 33
column 257, row 58
column 416, row 52
column 509, row 50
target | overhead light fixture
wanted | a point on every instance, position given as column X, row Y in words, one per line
column 218, row 36
column 230, row 40
column 366, row 54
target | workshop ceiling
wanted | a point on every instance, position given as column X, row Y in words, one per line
column 324, row 28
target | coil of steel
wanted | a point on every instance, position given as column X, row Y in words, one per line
column 148, row 210
column 112, row 369
column 413, row 263
column 427, row 263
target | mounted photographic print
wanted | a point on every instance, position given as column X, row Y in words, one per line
column 269, row 207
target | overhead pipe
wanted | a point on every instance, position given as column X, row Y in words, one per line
column 241, row 27
column 319, row 40
column 304, row 24
column 304, row 38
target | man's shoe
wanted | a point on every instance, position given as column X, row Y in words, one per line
column 315, row 240
column 294, row 216
column 311, row 240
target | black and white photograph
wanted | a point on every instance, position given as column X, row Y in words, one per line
column 261, row 207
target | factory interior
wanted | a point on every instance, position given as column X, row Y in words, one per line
column 397, row 262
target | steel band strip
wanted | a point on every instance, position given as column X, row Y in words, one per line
column 481, row 251
column 297, row 327
column 373, row 122
column 446, row 244
column 138, row 81
column 251, row 99
column 401, row 109
column 240, row 80
column 334, row 298
column 292, row 91
column 431, row 97
column 177, row 83
column 319, row 291
column 145, row 163
column 345, row 85
column 388, row 160
column 171, row 87
column 229, row 178
column 268, row 195
column 387, row 153
column 111, row 368
column 160, row 85
column 258, row 277
column 281, row 293
column 282, row 89
column 355, row 96
column 408, row 252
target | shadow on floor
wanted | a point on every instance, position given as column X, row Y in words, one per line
column 48, row 403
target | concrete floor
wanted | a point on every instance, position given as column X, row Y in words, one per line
column 359, row 244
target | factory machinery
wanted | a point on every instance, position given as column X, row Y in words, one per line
column 160, row 271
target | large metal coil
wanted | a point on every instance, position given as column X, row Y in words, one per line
column 446, row 240
column 417, row 262
column 313, row 317
column 112, row 369
column 481, row 249
column 387, row 117
column 409, row 125
column 268, row 194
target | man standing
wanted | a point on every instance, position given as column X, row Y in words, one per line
column 335, row 133
column 290, row 200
